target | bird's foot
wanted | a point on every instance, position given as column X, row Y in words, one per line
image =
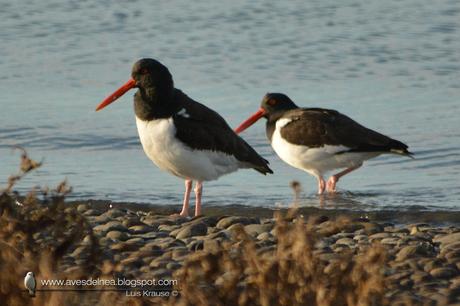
column 331, row 184
column 184, row 214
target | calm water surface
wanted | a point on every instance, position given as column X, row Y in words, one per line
column 392, row 65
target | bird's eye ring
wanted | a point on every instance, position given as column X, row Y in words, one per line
column 144, row 71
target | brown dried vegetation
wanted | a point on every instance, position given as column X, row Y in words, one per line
column 37, row 236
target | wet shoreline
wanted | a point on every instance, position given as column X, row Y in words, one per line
column 395, row 216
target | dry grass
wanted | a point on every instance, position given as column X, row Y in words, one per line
column 37, row 237
column 291, row 274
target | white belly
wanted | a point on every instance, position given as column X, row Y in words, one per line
column 315, row 161
column 170, row 154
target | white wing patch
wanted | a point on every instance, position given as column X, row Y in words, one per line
column 183, row 113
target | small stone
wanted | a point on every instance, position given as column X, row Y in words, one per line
column 390, row 241
column 264, row 236
column 409, row 252
column 379, row 236
column 257, row 229
column 141, row 229
column 420, row 277
column 82, row 208
column 115, row 213
column 447, row 239
column 212, row 246
column 346, row 241
column 117, row 235
column 444, row 272
column 228, row 221
column 173, row 228
column 111, row 226
column 132, row 261
column 173, row 266
column 91, row 212
column 191, row 230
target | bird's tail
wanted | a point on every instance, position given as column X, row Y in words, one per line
column 31, row 293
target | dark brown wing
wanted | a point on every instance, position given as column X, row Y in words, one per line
column 201, row 128
column 315, row 127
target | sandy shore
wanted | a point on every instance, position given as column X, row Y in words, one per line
column 419, row 261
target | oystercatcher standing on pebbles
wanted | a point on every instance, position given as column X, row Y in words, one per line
column 319, row 140
column 182, row 136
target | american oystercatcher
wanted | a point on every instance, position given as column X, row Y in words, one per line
column 182, row 136
column 319, row 140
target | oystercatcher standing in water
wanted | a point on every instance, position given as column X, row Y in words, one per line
column 182, row 136
column 319, row 140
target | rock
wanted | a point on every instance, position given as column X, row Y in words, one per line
column 444, row 272
column 390, row 241
column 412, row 251
column 361, row 237
column 318, row 219
column 256, row 229
column 115, row 213
column 117, row 235
column 447, row 239
column 82, row 208
column 445, row 248
column 102, row 219
column 452, row 254
column 132, row 261
column 264, row 236
column 110, row 226
column 212, row 246
column 228, row 221
column 196, row 229
column 430, row 265
column 173, row 228
column 141, row 229
column 420, row 277
column 329, row 257
column 210, row 221
column 91, row 212
column 173, row 266
column 379, row 236
column 196, row 245
column 79, row 251
column 346, row 241
column 152, row 249
column 159, row 263
column 131, row 221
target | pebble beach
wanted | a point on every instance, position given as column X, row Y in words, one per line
column 421, row 266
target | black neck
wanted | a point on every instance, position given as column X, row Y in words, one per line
column 271, row 123
column 150, row 104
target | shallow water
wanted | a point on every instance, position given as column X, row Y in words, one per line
column 391, row 66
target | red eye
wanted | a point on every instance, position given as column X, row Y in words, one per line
column 271, row 102
column 144, row 71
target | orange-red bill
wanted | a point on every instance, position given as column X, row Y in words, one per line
column 117, row 94
column 250, row 121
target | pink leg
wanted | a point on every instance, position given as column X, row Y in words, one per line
column 332, row 181
column 321, row 185
column 188, row 189
column 198, row 192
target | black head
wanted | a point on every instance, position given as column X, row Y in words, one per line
column 272, row 107
column 274, row 102
column 153, row 79
column 150, row 74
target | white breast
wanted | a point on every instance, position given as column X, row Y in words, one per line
column 315, row 161
column 170, row 154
